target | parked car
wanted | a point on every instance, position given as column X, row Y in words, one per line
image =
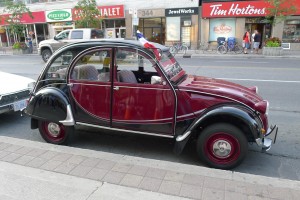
column 147, row 92
column 14, row 92
column 47, row 47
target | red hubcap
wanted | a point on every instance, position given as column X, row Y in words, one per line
column 222, row 148
column 54, row 132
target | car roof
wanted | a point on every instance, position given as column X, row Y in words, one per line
column 116, row 42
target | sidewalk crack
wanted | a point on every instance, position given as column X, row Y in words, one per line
column 95, row 190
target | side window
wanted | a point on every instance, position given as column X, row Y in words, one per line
column 58, row 67
column 93, row 66
column 62, row 35
column 95, row 33
column 77, row 34
column 134, row 66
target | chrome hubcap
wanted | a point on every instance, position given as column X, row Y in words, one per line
column 221, row 148
column 53, row 129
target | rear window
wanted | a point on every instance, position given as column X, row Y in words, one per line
column 77, row 35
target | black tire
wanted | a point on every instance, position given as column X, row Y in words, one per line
column 238, row 49
column 56, row 133
column 222, row 49
column 46, row 54
column 232, row 152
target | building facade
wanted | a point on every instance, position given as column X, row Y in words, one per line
column 162, row 21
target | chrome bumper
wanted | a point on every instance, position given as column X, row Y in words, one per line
column 268, row 139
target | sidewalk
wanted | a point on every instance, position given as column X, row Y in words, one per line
column 33, row 170
column 192, row 54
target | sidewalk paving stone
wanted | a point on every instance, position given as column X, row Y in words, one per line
column 167, row 178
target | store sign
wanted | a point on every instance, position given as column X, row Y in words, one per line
column 181, row 12
column 143, row 13
column 59, row 15
column 115, row 11
column 38, row 17
column 106, row 12
column 234, row 9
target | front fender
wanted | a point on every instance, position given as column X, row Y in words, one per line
column 49, row 104
column 240, row 113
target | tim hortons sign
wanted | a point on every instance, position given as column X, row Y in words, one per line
column 234, row 9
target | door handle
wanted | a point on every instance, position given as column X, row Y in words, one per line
column 70, row 85
column 116, row 88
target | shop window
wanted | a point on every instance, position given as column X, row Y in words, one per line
column 221, row 28
column 291, row 31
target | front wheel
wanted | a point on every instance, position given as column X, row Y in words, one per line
column 238, row 49
column 222, row 146
column 46, row 54
column 222, row 49
column 55, row 133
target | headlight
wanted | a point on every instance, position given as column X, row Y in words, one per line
column 31, row 86
column 262, row 107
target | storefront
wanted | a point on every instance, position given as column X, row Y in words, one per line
column 113, row 21
column 152, row 23
column 59, row 20
column 182, row 25
column 35, row 27
column 232, row 19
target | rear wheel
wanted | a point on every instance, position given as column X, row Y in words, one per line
column 55, row 133
column 222, row 146
column 46, row 54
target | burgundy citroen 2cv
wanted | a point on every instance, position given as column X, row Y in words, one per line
column 121, row 85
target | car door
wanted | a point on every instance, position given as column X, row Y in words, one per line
column 60, row 40
column 142, row 100
column 90, row 87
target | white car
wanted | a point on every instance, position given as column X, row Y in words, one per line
column 14, row 92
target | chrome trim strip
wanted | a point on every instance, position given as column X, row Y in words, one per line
column 141, row 121
column 133, row 87
column 182, row 137
column 218, row 96
column 254, row 111
column 124, row 130
column 69, row 121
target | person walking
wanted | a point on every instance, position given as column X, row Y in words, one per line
column 252, row 41
column 246, row 41
column 257, row 40
column 29, row 43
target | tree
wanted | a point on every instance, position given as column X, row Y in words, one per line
column 279, row 10
column 15, row 13
column 87, row 14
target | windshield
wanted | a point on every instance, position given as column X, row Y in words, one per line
column 171, row 66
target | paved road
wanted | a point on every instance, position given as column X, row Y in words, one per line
column 277, row 79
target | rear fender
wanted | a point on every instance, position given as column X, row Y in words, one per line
column 50, row 104
column 237, row 112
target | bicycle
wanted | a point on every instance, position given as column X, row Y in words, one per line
column 178, row 48
column 224, row 48
column 204, row 47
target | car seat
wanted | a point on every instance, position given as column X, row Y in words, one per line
column 126, row 76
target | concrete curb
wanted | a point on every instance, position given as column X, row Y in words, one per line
column 166, row 165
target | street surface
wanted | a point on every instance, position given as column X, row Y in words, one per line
column 278, row 80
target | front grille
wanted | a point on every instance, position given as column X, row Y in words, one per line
column 11, row 98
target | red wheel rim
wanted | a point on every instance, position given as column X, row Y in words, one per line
column 54, row 132
column 222, row 148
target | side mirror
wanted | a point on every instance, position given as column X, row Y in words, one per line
column 55, row 38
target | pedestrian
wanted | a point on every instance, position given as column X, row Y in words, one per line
column 257, row 40
column 29, row 43
column 246, row 41
column 252, row 41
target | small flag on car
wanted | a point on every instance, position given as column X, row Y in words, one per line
column 147, row 44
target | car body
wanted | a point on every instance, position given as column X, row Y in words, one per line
column 47, row 47
column 14, row 92
column 146, row 91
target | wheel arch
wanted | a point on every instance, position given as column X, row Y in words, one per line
column 50, row 104
column 239, row 116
